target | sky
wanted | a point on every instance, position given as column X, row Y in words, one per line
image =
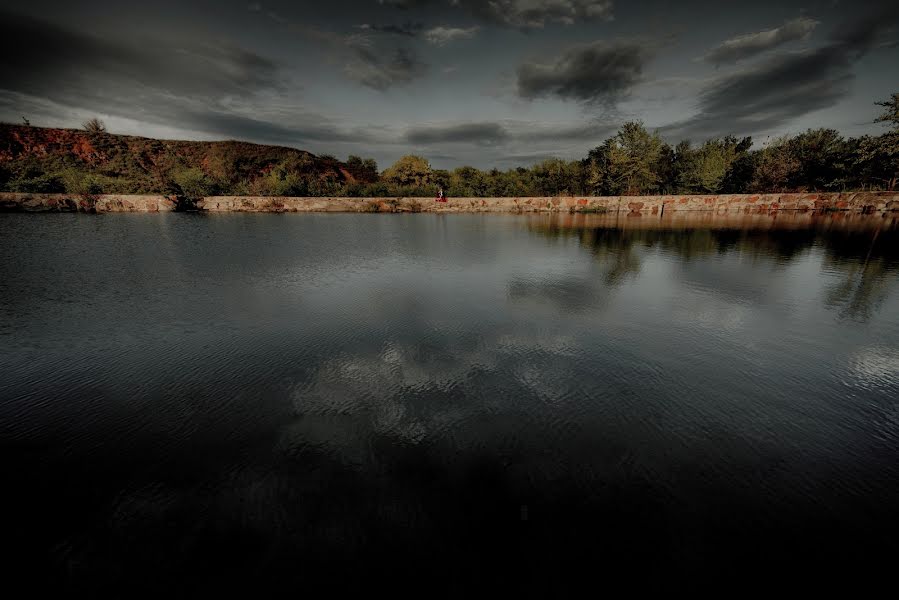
column 488, row 83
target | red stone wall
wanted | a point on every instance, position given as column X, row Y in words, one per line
column 634, row 205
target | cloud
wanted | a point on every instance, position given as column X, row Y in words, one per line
column 404, row 4
column 440, row 36
column 751, row 44
column 524, row 14
column 488, row 133
column 406, row 29
column 381, row 71
column 536, row 14
column 472, row 133
column 206, row 87
column 774, row 92
column 601, row 72
column 60, row 59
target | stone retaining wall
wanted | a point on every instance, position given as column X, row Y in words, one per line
column 746, row 203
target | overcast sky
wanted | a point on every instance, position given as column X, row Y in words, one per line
column 482, row 82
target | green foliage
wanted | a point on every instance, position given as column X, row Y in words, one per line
column 557, row 177
column 626, row 164
column 823, row 160
column 410, row 170
column 634, row 161
column 466, row 182
column 362, row 170
column 713, row 167
column 192, row 183
column 82, row 184
column 776, row 167
column 44, row 183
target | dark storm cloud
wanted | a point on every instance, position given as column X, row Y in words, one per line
column 582, row 132
column 198, row 86
column 506, row 137
column 787, row 86
column 601, row 72
column 472, row 133
column 381, row 71
column 752, row 44
column 369, row 59
column 36, row 55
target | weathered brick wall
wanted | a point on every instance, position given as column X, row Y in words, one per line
column 745, row 203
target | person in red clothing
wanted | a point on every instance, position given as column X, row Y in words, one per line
column 440, row 196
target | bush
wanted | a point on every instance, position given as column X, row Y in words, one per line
column 192, row 183
column 411, row 171
column 45, row 183
column 94, row 125
column 81, row 184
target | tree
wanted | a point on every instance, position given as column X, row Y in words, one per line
column 891, row 114
column 191, row 184
column 822, row 157
column 557, row 177
column 363, row 170
column 883, row 151
column 627, row 163
column 467, row 182
column 742, row 169
column 410, row 170
column 776, row 167
column 94, row 125
column 707, row 169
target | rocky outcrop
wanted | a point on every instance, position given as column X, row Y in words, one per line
column 635, row 205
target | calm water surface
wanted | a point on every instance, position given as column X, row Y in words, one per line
column 432, row 405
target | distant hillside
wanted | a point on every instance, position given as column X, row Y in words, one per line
column 38, row 159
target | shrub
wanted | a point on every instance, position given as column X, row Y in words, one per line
column 45, row 183
column 81, row 184
column 94, row 125
column 411, row 171
column 189, row 185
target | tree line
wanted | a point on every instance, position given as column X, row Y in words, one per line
column 634, row 161
column 637, row 162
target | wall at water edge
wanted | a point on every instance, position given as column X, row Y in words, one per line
column 856, row 201
column 23, row 202
column 746, row 203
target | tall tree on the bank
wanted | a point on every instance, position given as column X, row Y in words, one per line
column 557, row 177
column 776, row 167
column 706, row 169
column 823, row 160
column 626, row 163
column 362, row 170
column 410, row 170
column 884, row 151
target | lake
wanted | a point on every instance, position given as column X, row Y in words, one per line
column 447, row 405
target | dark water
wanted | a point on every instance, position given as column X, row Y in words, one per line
column 447, row 405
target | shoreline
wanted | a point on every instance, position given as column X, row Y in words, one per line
column 859, row 202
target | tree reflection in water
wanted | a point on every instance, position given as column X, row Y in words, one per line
column 861, row 250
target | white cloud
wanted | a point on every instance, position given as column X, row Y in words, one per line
column 440, row 36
